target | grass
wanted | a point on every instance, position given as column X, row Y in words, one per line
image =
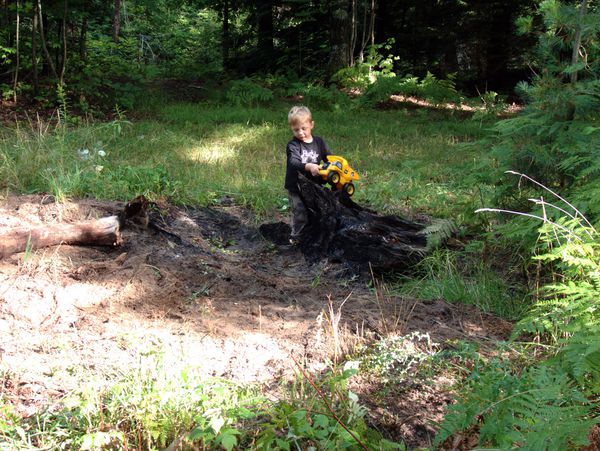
column 462, row 278
column 198, row 153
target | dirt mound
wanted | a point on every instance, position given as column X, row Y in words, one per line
column 207, row 287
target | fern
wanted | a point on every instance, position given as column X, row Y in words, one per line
column 580, row 356
column 540, row 408
column 573, row 304
column 439, row 231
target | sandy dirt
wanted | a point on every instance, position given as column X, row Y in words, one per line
column 214, row 292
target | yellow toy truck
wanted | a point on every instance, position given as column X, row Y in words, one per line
column 339, row 174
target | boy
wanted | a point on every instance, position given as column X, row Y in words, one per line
column 304, row 153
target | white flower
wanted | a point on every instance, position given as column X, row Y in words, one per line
column 101, row 153
column 84, row 154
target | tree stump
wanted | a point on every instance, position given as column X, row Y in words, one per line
column 341, row 230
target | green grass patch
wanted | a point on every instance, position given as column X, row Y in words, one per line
column 463, row 278
column 198, row 153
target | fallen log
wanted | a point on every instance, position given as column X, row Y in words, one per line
column 100, row 232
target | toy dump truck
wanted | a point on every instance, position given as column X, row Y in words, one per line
column 339, row 174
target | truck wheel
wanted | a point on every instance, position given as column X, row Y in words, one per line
column 349, row 188
column 333, row 178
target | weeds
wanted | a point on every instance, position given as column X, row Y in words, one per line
column 394, row 314
column 162, row 405
column 394, row 358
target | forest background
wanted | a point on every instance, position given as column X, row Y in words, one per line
column 97, row 71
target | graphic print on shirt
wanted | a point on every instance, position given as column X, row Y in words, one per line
column 309, row 156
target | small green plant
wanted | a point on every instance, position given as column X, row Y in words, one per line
column 321, row 414
column 395, row 358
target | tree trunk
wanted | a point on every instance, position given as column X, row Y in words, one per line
column 17, row 55
column 339, row 37
column 341, row 231
column 63, row 61
column 353, row 32
column 43, row 39
column 82, row 37
column 264, row 11
column 116, row 25
column 102, row 232
column 34, row 65
column 368, row 32
column 225, row 33
column 577, row 38
column 99, row 232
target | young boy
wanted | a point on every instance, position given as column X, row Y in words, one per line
column 304, row 153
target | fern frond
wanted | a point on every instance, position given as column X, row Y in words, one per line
column 439, row 231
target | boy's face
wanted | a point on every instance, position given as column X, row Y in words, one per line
column 302, row 129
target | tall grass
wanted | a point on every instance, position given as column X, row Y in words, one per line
column 198, row 153
column 462, row 278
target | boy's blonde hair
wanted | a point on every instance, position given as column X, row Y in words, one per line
column 299, row 113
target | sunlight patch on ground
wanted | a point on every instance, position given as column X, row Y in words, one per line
column 213, row 153
column 248, row 358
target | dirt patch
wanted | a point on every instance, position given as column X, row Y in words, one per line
column 210, row 290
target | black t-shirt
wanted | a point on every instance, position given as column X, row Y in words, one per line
column 298, row 154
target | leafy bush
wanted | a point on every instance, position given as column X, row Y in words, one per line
column 112, row 75
column 248, row 93
column 381, row 90
column 429, row 88
column 438, row 91
column 375, row 66
column 326, row 99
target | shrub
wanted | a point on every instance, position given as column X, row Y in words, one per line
column 248, row 93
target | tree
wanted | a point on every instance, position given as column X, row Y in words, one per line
column 340, row 36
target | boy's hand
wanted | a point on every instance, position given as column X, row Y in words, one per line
column 312, row 168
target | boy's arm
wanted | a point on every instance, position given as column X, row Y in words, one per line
column 293, row 156
column 325, row 150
